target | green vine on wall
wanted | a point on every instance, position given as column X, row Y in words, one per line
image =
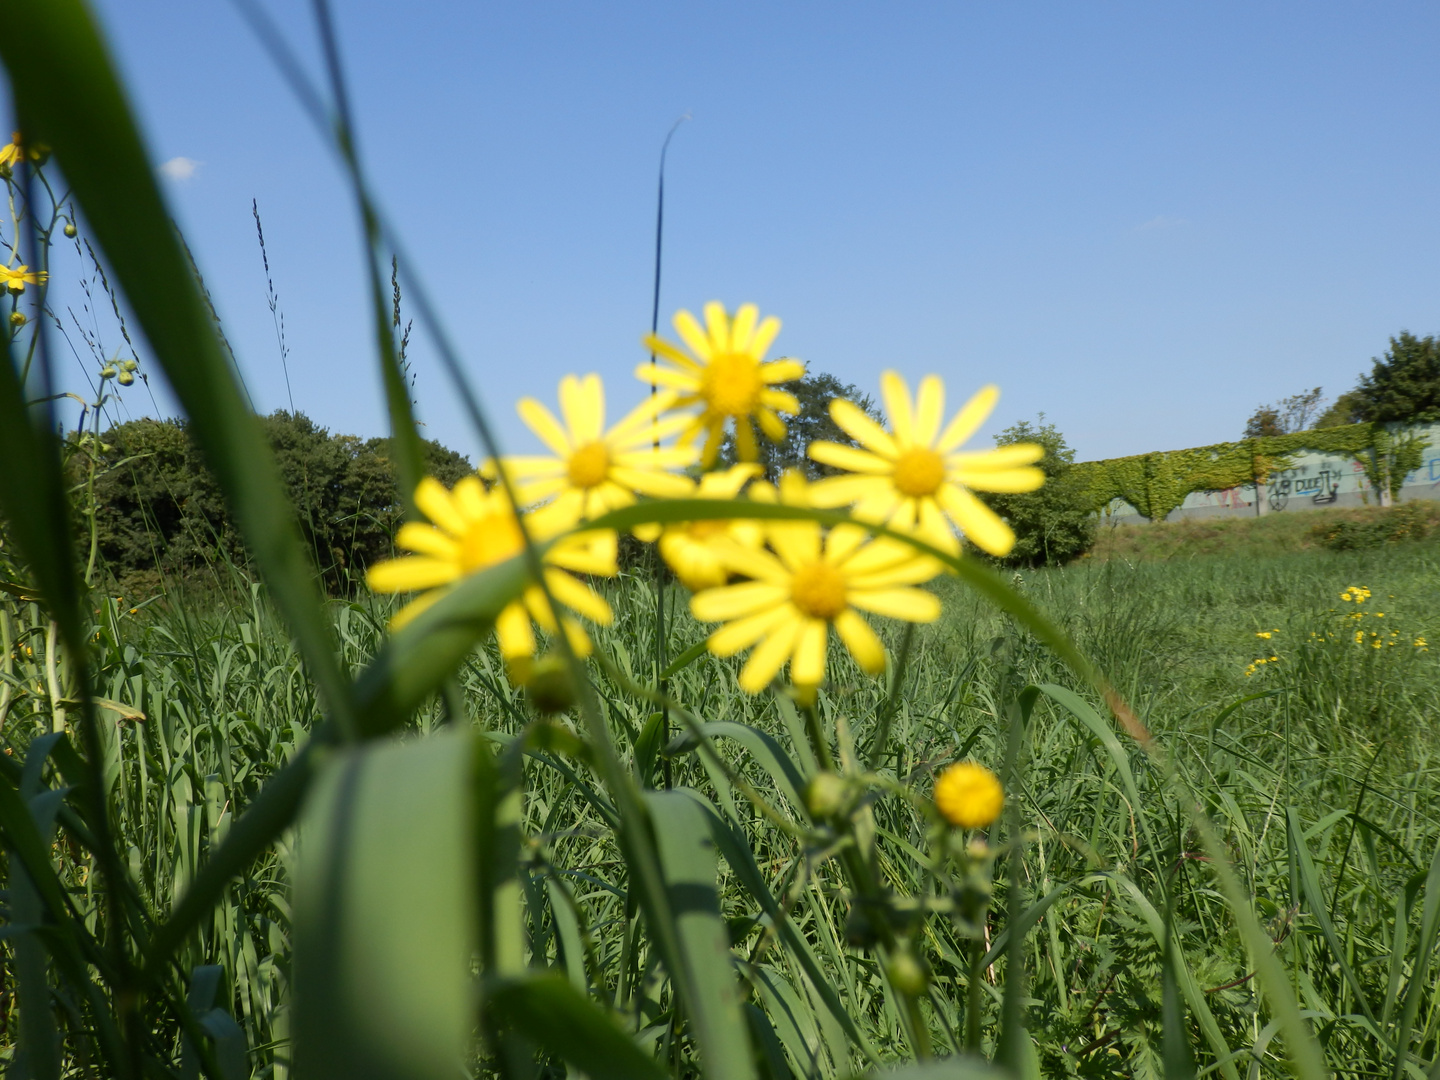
column 1157, row 483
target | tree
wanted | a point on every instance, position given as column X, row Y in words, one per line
column 1288, row 415
column 814, row 392
column 158, row 508
column 1404, row 386
column 1345, row 410
column 1055, row 524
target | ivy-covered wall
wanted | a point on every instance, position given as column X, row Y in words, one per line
column 1157, row 483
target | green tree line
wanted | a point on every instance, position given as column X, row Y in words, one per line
column 159, row 510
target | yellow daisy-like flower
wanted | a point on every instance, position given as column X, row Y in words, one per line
column 912, row 477
column 13, row 151
column 969, row 795
column 15, row 278
column 727, row 376
column 689, row 547
column 593, row 470
column 811, row 581
column 474, row 529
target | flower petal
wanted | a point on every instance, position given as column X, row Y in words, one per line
column 807, row 665
column 578, row 597
column 742, row 330
column 411, row 574
column 968, row 420
column 582, row 401
column 929, row 409
column 979, row 524
column 427, row 540
column 434, row 502
column 849, row 458
column 764, row 336
column 1005, row 480
column 542, row 422
column 693, row 336
column 897, row 407
column 717, row 324
column 766, row 660
column 862, row 641
column 513, row 632
column 854, row 421
column 742, row 633
column 737, row 601
column 911, row 605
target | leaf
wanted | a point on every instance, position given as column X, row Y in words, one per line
column 1415, row 989
column 555, row 1015
column 954, row 1068
column 384, row 906
column 709, row 984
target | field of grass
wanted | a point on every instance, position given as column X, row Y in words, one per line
column 1318, row 771
column 1248, row 537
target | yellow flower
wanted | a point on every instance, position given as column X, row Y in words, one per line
column 475, row 529
column 969, row 795
column 12, row 152
column 727, row 377
column 15, row 278
column 689, row 547
column 912, row 477
column 593, row 470
column 1266, row 634
column 812, row 581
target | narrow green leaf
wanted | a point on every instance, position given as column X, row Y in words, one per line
column 711, row 988
column 384, row 910
column 1418, row 985
column 555, row 1015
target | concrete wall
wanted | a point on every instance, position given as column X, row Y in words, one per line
column 1317, row 481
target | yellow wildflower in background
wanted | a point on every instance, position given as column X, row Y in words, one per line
column 13, row 151
column 15, row 278
column 1355, row 593
column 727, row 377
column 812, row 581
column 969, row 795
column 593, row 470
column 689, row 547
column 473, row 530
column 913, row 478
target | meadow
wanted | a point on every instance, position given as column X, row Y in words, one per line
column 526, row 817
column 1319, row 774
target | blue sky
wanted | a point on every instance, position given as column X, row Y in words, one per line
column 1142, row 219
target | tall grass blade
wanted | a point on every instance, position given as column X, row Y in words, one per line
column 711, row 986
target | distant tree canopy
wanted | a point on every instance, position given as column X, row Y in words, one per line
column 814, row 392
column 1057, row 523
column 160, row 510
column 1286, row 416
column 1404, row 385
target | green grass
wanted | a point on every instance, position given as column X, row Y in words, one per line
column 1249, row 537
column 226, row 702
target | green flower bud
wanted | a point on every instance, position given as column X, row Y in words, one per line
column 549, row 686
column 70, row 230
column 126, row 378
column 908, row 974
column 108, row 371
column 128, row 365
column 18, row 319
column 826, row 796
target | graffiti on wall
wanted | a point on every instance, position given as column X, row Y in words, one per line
column 1321, row 489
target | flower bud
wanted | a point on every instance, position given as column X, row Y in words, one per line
column 108, row 371
column 826, row 796
column 125, row 378
column 70, row 230
column 549, row 685
column 908, row 974
column 18, row 319
column 128, row 365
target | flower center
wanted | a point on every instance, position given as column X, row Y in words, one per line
column 919, row 471
column 491, row 540
column 732, row 384
column 818, row 590
column 589, row 465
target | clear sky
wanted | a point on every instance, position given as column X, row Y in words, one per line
column 1142, row 219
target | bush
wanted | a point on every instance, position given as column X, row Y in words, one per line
column 1407, row 522
column 159, row 509
column 1055, row 525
